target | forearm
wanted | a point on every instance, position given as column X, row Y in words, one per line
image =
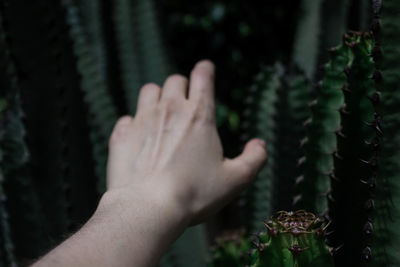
column 118, row 235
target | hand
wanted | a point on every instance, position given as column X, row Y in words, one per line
column 172, row 149
column 165, row 171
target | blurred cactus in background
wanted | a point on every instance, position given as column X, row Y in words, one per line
column 70, row 68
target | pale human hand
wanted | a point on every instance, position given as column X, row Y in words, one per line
column 165, row 171
column 171, row 148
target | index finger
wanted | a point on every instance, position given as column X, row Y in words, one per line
column 201, row 87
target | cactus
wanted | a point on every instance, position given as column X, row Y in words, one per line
column 16, row 185
column 386, row 239
column 102, row 113
column 320, row 25
column 260, row 115
column 292, row 239
column 7, row 256
column 275, row 112
column 140, row 44
column 320, row 143
column 355, row 161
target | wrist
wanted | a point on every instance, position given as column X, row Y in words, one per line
column 162, row 211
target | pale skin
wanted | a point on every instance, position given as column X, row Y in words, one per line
column 166, row 171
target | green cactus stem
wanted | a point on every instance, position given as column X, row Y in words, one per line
column 320, row 142
column 276, row 108
column 7, row 256
column 259, row 120
column 102, row 112
column 355, row 162
column 292, row 239
column 17, row 190
column 141, row 52
column 386, row 238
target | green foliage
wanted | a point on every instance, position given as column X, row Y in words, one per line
column 320, row 143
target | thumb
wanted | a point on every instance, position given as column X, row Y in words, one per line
column 242, row 169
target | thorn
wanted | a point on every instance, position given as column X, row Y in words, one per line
column 321, row 232
column 326, row 216
column 375, row 98
column 343, row 110
column 313, row 103
column 303, row 141
column 296, row 250
column 299, row 179
column 337, row 156
column 333, row 251
column 333, row 176
column 272, row 230
column 301, row 161
column 296, row 199
column 307, row 122
column 260, row 246
column 346, row 71
column 377, row 76
column 331, row 198
column 369, row 205
column 375, row 143
column 366, row 253
column 340, row 134
column 368, row 228
column 376, row 6
column 377, row 53
column 332, row 50
column 371, row 183
column 318, row 85
column 372, row 162
column 345, row 88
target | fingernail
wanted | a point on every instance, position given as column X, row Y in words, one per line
column 261, row 143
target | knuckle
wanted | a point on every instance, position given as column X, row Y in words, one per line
column 168, row 106
column 197, row 112
column 201, row 112
column 120, row 130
